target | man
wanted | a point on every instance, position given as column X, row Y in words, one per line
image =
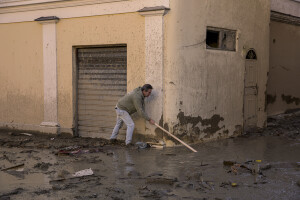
column 127, row 105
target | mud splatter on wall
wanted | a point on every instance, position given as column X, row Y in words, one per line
column 194, row 126
column 290, row 99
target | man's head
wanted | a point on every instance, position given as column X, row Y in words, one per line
column 146, row 90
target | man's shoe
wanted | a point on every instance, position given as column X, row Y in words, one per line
column 129, row 145
column 113, row 141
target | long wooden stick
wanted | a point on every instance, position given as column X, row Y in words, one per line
column 173, row 136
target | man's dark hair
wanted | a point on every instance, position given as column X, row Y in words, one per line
column 146, row 87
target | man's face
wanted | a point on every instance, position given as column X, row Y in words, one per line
column 147, row 93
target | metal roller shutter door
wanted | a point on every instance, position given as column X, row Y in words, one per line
column 102, row 80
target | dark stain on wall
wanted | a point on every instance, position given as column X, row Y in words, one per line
column 238, row 130
column 159, row 133
column 211, row 123
column 271, row 99
column 289, row 111
column 290, row 99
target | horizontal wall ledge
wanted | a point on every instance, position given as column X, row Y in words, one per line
column 285, row 18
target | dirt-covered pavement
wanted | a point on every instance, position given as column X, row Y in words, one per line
column 260, row 165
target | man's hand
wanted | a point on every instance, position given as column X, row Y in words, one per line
column 151, row 121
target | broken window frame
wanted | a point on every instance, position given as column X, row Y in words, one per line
column 222, row 43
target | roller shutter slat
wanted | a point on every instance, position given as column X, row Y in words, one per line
column 102, row 80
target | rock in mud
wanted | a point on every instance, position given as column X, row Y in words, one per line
column 266, row 167
column 42, row 166
column 14, row 192
column 115, row 190
column 134, row 173
column 161, row 180
column 155, row 174
column 228, row 163
column 154, row 194
column 18, row 174
column 39, row 192
column 197, row 176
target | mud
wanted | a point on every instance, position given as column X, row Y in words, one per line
column 270, row 99
column 290, row 99
column 211, row 124
column 224, row 169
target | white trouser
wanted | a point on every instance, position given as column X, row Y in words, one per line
column 123, row 117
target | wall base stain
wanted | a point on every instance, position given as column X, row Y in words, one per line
column 290, row 99
column 159, row 133
column 238, row 130
column 271, row 99
column 189, row 130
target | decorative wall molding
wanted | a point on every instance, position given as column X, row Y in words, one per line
column 154, row 64
column 284, row 18
column 9, row 3
column 75, row 8
column 48, row 4
column 50, row 71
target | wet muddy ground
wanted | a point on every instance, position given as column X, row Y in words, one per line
column 43, row 167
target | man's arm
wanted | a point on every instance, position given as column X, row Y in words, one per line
column 138, row 106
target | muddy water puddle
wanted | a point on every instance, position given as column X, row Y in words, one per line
column 170, row 173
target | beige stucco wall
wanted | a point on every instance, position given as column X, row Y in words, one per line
column 98, row 30
column 208, row 85
column 283, row 84
column 21, row 73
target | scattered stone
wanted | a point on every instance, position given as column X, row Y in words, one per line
column 134, row 173
column 169, row 154
column 110, row 153
column 197, row 176
column 129, row 164
column 18, row 174
column 39, row 192
column 228, row 163
column 224, row 184
column 14, row 192
column 57, row 187
column 93, row 196
column 115, row 190
column 161, row 180
column 29, row 151
column 63, row 174
column 42, row 166
column 155, row 174
column 265, row 167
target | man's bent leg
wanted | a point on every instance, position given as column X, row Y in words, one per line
column 117, row 126
column 130, row 126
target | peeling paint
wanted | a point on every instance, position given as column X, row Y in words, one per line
column 290, row 99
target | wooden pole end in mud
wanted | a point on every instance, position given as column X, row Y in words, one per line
column 173, row 136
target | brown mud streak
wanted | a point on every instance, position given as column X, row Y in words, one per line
column 290, row 99
column 158, row 132
column 271, row 99
column 211, row 124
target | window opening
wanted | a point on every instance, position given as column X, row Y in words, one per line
column 251, row 55
column 212, row 38
column 220, row 39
